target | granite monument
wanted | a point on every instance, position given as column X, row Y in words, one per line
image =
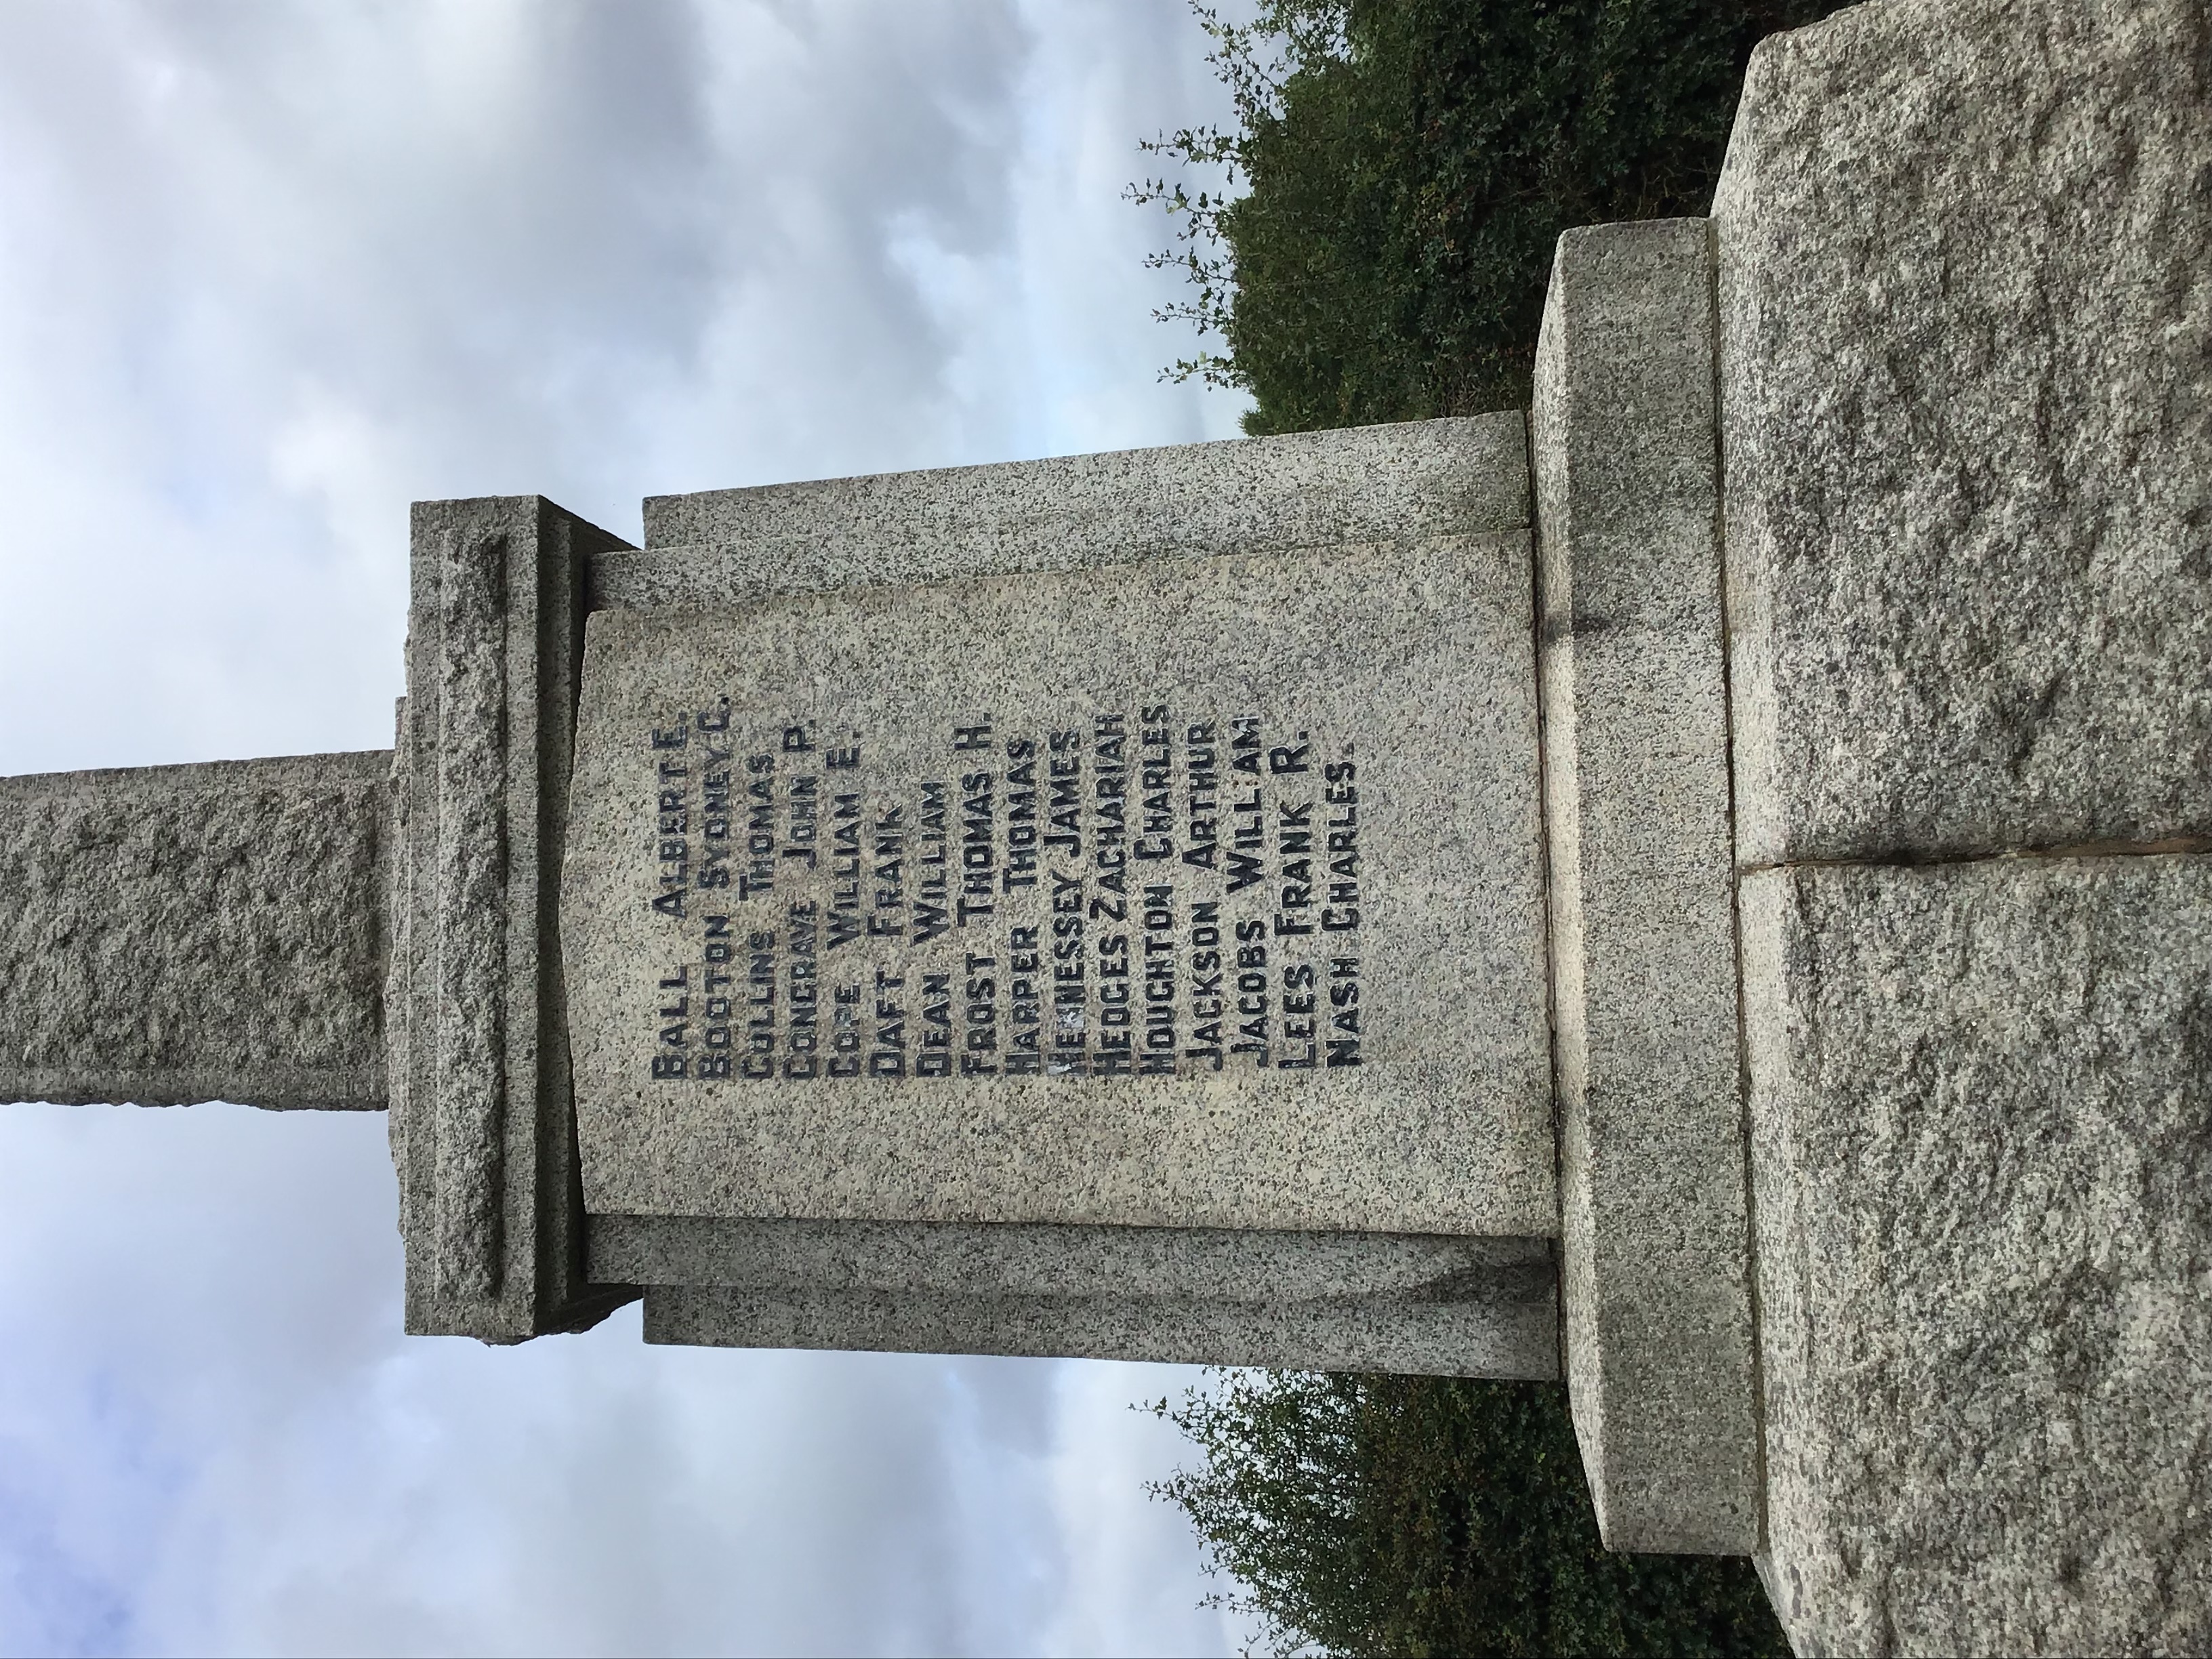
column 1700, row 888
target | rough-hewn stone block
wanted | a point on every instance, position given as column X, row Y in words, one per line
column 1965, row 356
column 179, row 934
column 1982, row 1140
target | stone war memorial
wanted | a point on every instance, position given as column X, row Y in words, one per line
column 1699, row 887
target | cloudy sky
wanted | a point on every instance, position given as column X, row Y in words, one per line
column 267, row 274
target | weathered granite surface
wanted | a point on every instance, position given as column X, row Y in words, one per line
column 1226, row 1264
column 179, row 934
column 1982, row 1141
column 1965, row 298
column 1404, row 1083
column 1655, row 1269
column 483, row 1127
column 1411, row 480
column 1504, row 1325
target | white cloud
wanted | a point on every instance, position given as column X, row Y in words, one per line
column 267, row 274
column 1137, row 1594
column 213, row 1439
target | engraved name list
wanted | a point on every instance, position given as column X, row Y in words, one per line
column 1141, row 891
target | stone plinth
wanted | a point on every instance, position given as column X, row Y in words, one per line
column 1967, row 449
column 179, row 934
column 1150, row 524
column 1654, row 1265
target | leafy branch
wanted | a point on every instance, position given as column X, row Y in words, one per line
column 1252, row 60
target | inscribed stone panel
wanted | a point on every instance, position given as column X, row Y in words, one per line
column 1979, row 1094
column 1199, row 893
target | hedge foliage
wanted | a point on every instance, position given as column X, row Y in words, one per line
column 1409, row 166
column 1433, row 1515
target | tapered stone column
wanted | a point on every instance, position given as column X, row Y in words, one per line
column 179, row 934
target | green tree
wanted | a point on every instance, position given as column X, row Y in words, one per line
column 1376, row 247
column 1432, row 1515
column 1409, row 165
